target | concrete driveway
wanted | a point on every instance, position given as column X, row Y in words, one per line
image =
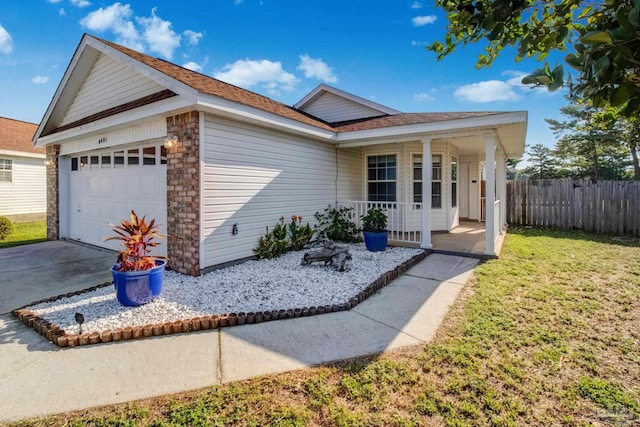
column 42, row 270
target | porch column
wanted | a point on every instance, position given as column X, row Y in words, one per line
column 490, row 168
column 501, row 187
column 425, row 230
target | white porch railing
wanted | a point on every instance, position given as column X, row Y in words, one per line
column 403, row 218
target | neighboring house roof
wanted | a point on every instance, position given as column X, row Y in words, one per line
column 16, row 135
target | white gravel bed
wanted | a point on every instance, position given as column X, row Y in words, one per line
column 253, row 286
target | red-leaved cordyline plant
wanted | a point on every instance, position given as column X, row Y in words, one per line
column 137, row 240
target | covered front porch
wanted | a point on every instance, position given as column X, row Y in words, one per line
column 450, row 214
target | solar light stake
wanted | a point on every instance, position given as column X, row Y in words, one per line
column 80, row 320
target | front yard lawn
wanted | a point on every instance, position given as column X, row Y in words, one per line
column 24, row 233
column 549, row 334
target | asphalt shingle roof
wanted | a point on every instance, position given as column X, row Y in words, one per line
column 16, row 135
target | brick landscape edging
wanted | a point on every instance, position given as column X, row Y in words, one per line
column 59, row 337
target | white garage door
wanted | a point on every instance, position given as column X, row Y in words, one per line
column 104, row 186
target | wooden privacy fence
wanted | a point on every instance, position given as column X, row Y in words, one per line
column 611, row 207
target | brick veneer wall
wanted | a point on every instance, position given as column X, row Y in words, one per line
column 53, row 195
column 183, row 194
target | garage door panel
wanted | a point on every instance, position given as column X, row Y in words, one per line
column 103, row 194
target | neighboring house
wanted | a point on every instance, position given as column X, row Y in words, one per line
column 23, row 191
column 128, row 131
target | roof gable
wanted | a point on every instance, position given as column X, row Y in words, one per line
column 334, row 105
column 16, row 135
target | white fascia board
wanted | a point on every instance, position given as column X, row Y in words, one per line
column 21, row 154
column 346, row 139
column 165, row 107
column 223, row 107
column 322, row 87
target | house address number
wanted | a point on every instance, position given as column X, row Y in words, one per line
column 102, row 140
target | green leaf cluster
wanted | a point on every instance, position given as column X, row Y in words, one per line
column 337, row 224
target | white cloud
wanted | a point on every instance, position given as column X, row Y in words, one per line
column 54, row 1
column 39, row 80
column 487, row 91
column 193, row 38
column 418, row 43
column 116, row 18
column 316, row 68
column 416, row 5
column 80, row 3
column 420, row 21
column 423, row 97
column 238, row 2
column 267, row 74
column 61, row 12
column 158, row 35
column 193, row 66
column 6, row 42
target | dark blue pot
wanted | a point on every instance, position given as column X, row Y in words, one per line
column 375, row 241
column 134, row 288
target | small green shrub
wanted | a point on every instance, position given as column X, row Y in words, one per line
column 299, row 235
column 5, row 227
column 375, row 220
column 274, row 243
column 337, row 224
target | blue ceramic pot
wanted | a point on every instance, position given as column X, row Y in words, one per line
column 375, row 241
column 134, row 288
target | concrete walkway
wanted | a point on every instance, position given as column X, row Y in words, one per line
column 38, row 378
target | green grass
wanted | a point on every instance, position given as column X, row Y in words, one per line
column 546, row 335
column 24, row 233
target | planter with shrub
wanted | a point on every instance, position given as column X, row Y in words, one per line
column 374, row 226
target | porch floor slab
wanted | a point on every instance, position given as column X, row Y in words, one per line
column 467, row 239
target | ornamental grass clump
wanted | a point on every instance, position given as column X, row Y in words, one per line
column 137, row 237
column 284, row 238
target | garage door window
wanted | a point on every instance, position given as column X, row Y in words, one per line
column 121, row 158
column 118, row 159
column 149, row 156
column 133, row 158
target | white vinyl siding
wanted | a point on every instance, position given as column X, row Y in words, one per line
column 27, row 191
column 109, row 84
column 254, row 176
column 332, row 108
column 350, row 174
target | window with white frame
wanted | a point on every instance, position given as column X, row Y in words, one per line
column 436, row 180
column 6, row 170
column 454, row 182
column 381, row 178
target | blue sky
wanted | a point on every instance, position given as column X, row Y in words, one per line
column 279, row 48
